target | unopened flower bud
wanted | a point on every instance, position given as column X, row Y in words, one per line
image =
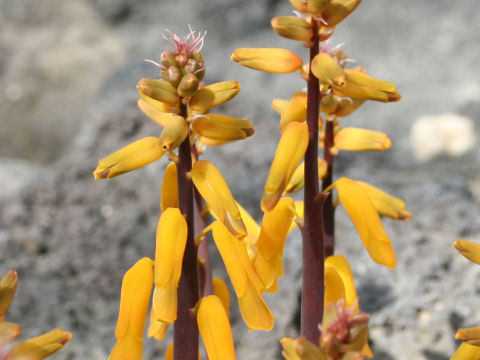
column 188, row 85
column 181, row 60
column 173, row 75
column 338, row 10
column 191, row 66
column 292, row 27
column 358, row 335
column 167, row 58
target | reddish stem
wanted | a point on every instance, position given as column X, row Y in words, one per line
column 312, row 244
column 185, row 333
column 328, row 209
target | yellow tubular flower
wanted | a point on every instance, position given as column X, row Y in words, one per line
column 338, row 10
column 334, row 288
column 363, row 86
column 174, row 133
column 253, row 231
column 362, row 212
column 466, row 352
column 271, row 241
column 470, row 335
column 220, row 290
column 213, row 188
column 213, row 95
column 169, row 188
column 272, row 60
column 468, row 249
column 41, row 346
column 156, row 328
column 222, row 127
column 296, row 110
column 290, row 151
column 8, row 286
column 171, row 239
column 297, row 182
column 328, row 71
column 356, row 139
column 136, row 155
column 386, row 204
column 215, row 329
column 161, row 117
column 134, row 299
column 245, row 281
column 159, row 90
column 293, row 27
column 156, row 105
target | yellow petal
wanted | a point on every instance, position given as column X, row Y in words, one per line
column 213, row 95
column 290, row 151
column 298, row 215
column 468, row 249
column 175, row 131
column 156, row 328
column 292, row 27
column 466, row 352
column 296, row 110
column 213, row 188
column 136, row 155
column 169, row 188
column 334, row 288
column 41, row 346
column 220, row 290
column 360, row 78
column 235, row 258
column 160, row 90
column 221, row 127
column 127, row 348
column 135, row 296
column 160, row 117
column 317, row 6
column 8, row 286
column 272, row 60
column 300, row 5
column 215, row 329
column 149, row 103
column 386, row 204
column 338, row 10
column 364, row 216
column 254, row 310
column 470, row 335
column 327, row 70
column 297, row 182
column 279, row 105
column 9, row 332
column 356, row 139
column 342, row 268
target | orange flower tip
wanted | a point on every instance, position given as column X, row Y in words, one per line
column 394, row 97
column 101, row 174
column 269, row 201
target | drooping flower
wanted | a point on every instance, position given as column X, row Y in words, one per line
column 468, row 249
column 362, row 212
column 386, row 204
column 213, row 188
column 215, row 329
column 135, row 296
column 356, row 139
column 290, row 151
column 171, row 239
column 245, row 281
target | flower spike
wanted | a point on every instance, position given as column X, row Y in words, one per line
column 270, row 60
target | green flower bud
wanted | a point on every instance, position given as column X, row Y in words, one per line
column 188, row 85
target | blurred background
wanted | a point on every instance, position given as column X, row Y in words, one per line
column 68, row 70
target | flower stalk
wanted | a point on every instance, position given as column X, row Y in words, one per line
column 328, row 209
column 185, row 331
column 313, row 254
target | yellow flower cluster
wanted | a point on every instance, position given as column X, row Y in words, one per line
column 36, row 348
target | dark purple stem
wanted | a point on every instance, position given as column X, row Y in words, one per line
column 312, row 244
column 328, row 209
column 185, row 330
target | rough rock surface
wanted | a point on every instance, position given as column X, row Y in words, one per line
column 67, row 97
